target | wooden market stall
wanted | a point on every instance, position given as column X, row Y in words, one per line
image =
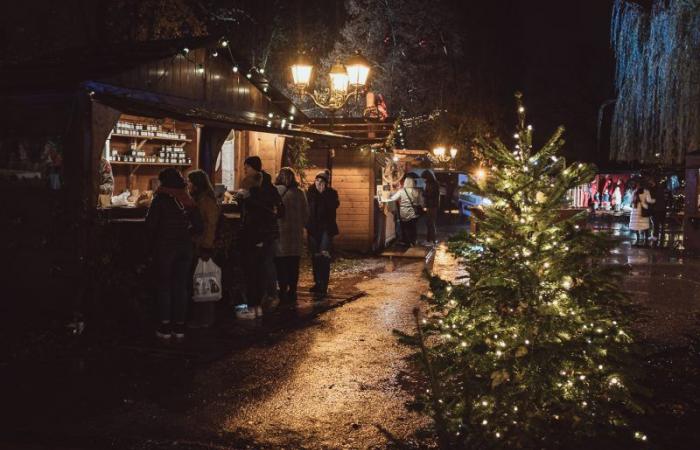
column 139, row 107
column 357, row 174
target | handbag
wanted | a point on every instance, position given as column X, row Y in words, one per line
column 419, row 210
column 206, row 282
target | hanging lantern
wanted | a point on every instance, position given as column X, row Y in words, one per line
column 339, row 78
column 301, row 72
column 357, row 70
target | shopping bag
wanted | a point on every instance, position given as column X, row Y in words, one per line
column 206, row 282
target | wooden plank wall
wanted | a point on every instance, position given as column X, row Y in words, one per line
column 267, row 146
column 354, row 180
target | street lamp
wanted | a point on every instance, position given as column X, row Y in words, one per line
column 346, row 81
column 441, row 155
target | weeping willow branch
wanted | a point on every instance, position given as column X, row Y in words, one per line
column 657, row 81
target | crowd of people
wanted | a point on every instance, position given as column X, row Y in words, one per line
column 183, row 220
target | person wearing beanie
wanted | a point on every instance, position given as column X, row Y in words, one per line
column 321, row 227
column 172, row 220
column 261, row 205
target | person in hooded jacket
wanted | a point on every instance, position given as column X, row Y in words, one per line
column 411, row 204
column 321, row 227
column 291, row 242
column 260, row 206
column 172, row 222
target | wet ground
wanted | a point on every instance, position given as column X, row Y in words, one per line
column 324, row 376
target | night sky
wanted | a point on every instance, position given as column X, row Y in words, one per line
column 558, row 54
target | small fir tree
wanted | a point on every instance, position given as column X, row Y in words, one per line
column 531, row 351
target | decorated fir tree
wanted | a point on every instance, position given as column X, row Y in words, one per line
column 531, row 351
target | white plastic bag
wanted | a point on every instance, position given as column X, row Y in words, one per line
column 206, row 282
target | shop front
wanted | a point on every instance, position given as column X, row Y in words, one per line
column 82, row 145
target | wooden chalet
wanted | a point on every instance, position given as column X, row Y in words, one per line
column 357, row 174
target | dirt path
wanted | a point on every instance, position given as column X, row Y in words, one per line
column 336, row 382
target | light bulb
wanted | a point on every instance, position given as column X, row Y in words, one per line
column 521, row 109
column 234, row 69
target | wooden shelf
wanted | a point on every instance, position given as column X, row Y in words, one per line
column 130, row 163
column 151, row 138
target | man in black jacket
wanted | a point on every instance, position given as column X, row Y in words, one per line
column 259, row 231
column 321, row 228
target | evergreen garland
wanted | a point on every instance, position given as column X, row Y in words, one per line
column 532, row 351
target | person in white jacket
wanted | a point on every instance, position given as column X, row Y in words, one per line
column 639, row 223
column 411, row 204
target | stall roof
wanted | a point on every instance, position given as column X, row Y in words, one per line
column 362, row 131
column 160, row 78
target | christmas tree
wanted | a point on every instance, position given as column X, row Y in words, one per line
column 531, row 351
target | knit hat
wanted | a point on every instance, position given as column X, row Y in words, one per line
column 171, row 178
column 254, row 162
column 322, row 175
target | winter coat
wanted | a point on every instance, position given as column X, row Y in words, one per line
column 322, row 212
column 259, row 213
column 209, row 211
column 659, row 196
column 637, row 221
column 432, row 194
column 410, row 198
column 296, row 213
column 167, row 219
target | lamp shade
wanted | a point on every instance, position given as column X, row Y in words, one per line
column 453, row 152
column 301, row 71
column 358, row 70
column 339, row 78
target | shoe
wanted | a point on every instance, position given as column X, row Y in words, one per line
column 243, row 312
column 164, row 331
column 179, row 331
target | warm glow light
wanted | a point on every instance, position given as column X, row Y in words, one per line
column 339, row 78
column 439, row 152
column 358, row 70
column 301, row 71
column 480, row 174
column 453, row 152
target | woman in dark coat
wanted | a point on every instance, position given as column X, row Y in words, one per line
column 321, row 228
column 170, row 222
